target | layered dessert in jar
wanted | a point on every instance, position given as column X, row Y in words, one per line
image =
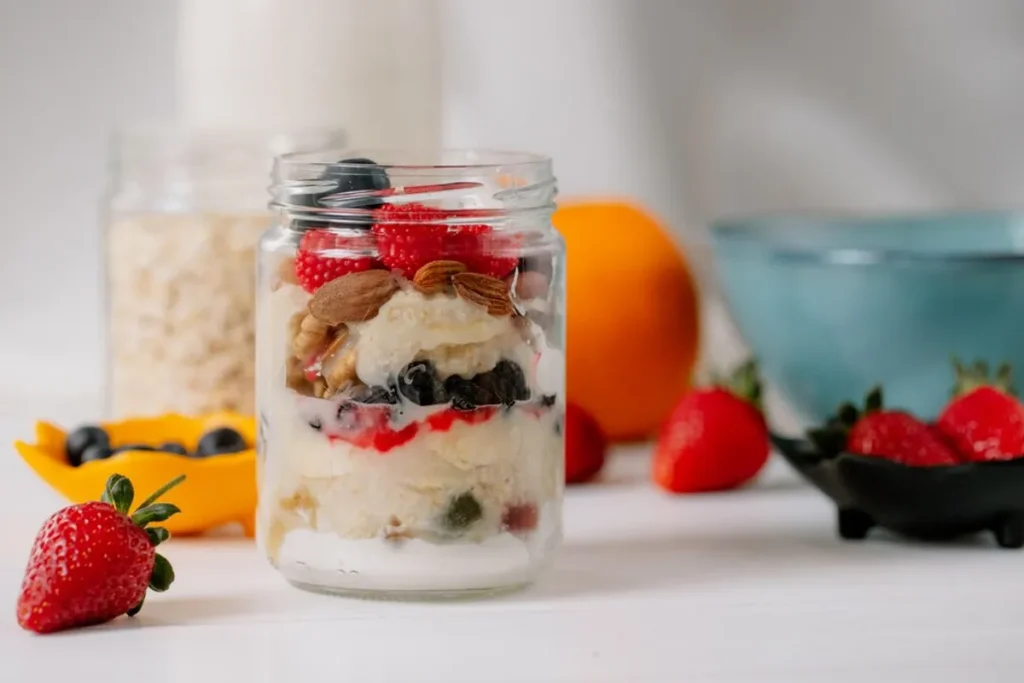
column 410, row 393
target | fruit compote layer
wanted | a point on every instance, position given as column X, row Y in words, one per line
column 439, row 465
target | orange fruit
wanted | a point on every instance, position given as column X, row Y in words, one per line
column 632, row 316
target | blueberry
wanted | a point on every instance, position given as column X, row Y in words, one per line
column 173, row 447
column 506, row 382
column 352, row 180
column 132, row 447
column 316, row 424
column 547, row 400
column 95, row 452
column 466, row 394
column 418, row 382
column 375, row 395
column 462, row 511
column 220, row 441
column 80, row 439
column 347, row 180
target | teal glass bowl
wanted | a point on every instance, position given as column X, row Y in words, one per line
column 832, row 306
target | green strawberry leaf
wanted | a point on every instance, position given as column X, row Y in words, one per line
column 162, row 576
column 157, row 512
column 157, row 534
column 119, row 493
column 135, row 610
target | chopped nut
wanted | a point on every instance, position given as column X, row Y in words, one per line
column 295, row 379
column 286, row 273
column 341, row 371
column 319, row 387
column 310, row 337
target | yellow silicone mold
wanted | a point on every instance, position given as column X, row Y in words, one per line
column 217, row 490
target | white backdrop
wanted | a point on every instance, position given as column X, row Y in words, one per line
column 694, row 107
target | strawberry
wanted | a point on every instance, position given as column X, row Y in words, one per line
column 411, row 235
column 92, row 562
column 316, row 265
column 715, row 438
column 585, row 445
column 894, row 435
column 984, row 420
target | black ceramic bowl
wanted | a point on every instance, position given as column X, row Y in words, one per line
column 927, row 503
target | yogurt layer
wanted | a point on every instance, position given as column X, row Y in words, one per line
column 512, row 458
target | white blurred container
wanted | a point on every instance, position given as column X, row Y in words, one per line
column 371, row 68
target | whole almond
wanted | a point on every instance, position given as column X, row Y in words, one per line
column 353, row 298
column 436, row 276
column 484, row 290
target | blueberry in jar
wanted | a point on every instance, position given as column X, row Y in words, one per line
column 347, row 180
column 506, row 382
column 466, row 394
column 419, row 383
column 82, row 438
column 220, row 441
column 352, row 180
column 462, row 511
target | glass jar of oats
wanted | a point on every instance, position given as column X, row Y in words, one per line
column 184, row 217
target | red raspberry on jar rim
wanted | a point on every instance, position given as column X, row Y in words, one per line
column 316, row 265
column 407, row 240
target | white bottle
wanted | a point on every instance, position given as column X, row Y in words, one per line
column 372, row 68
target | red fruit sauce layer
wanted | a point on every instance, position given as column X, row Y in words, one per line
column 379, row 435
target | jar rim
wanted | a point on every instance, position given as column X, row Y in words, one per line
column 448, row 160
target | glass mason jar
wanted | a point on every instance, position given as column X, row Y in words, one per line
column 410, row 372
column 184, row 217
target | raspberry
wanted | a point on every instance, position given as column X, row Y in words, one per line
column 315, row 266
column 408, row 245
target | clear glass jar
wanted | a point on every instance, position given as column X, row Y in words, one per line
column 185, row 214
column 410, row 372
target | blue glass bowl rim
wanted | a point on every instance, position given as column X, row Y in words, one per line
column 745, row 230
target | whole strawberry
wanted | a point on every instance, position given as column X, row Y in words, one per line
column 894, row 435
column 585, row 445
column 93, row 562
column 984, row 420
column 715, row 438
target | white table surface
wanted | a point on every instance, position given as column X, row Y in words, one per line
column 746, row 586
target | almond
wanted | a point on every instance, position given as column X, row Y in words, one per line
column 436, row 276
column 484, row 290
column 356, row 297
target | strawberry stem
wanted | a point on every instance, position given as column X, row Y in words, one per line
column 830, row 438
column 162, row 490
column 967, row 379
column 744, row 382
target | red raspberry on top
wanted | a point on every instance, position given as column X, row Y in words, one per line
column 315, row 265
column 406, row 241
